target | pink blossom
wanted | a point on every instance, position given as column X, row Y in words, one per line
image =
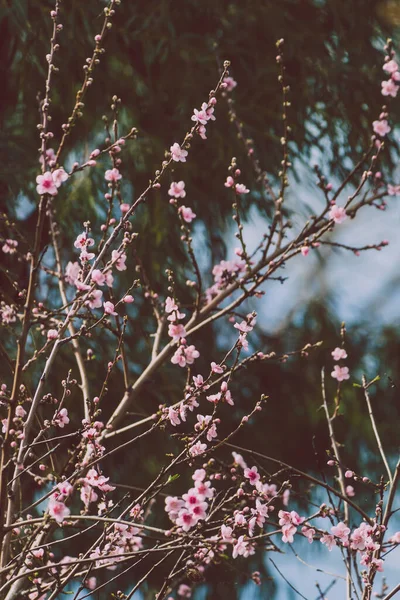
column 109, row 308
column 46, row 184
column 341, row 531
column 52, row 334
column 20, row 412
column 393, row 190
column 349, row 474
column 98, row 277
column 173, row 416
column 340, row 373
column 230, row 83
column 226, row 534
column 252, row 475
column 395, row 539
column 199, row 475
column 389, row 88
column 212, row 432
column 178, row 153
column 186, row 519
column 176, row 331
column 119, row 258
column 338, row 214
column 378, row 564
column 204, row 488
column 170, row 305
column 391, row 66
column 50, row 156
column 381, row 127
column 72, row 271
column 83, row 241
column 10, row 246
column 216, row 368
column 197, row 449
column 328, row 540
column 239, row 460
column 58, row 510
column 244, row 327
column 199, row 116
column 8, row 314
column 350, row 491
column 112, row 175
column 59, row 176
column 186, row 213
column 177, row 189
column 288, row 532
column 241, row 188
column 88, row 495
column 309, row 533
column 305, row 250
column 240, row 547
column 94, row 299
column 39, row 553
column 124, row 207
column 61, row 418
column 65, row 488
column 339, row 353
column 230, row 182
column 128, row 299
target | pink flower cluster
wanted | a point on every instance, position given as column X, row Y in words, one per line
column 225, row 273
column 340, row 373
column 9, row 246
column 202, row 116
column 289, row 521
column 391, row 87
column 49, row 182
column 187, row 511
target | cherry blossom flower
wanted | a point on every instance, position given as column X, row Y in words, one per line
column 8, row 314
column 61, row 418
column 177, row 189
column 52, row 334
column 230, row 83
column 226, row 534
column 186, row 519
column 59, row 176
column 338, row 214
column 10, row 246
column 393, row 190
column 88, row 495
column 173, row 505
column 199, row 475
column 186, row 213
column 72, row 271
column 46, row 184
column 239, row 460
column 178, row 154
column 329, row 541
column 176, row 331
column 341, row 531
column 58, row 510
column 309, row 533
column 83, row 241
column 305, row 250
column 95, row 299
column 230, row 182
column 391, row 66
column 252, row 475
column 389, row 88
column 216, row 368
column 240, row 547
column 128, row 299
column 98, row 277
column 173, row 416
column 340, row 373
column 109, row 308
column 350, row 491
column 339, row 353
column 199, row 116
column 20, row 412
column 112, row 175
column 119, row 259
column 288, row 532
column 49, row 157
column 241, row 188
column 381, row 127
column 197, row 449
